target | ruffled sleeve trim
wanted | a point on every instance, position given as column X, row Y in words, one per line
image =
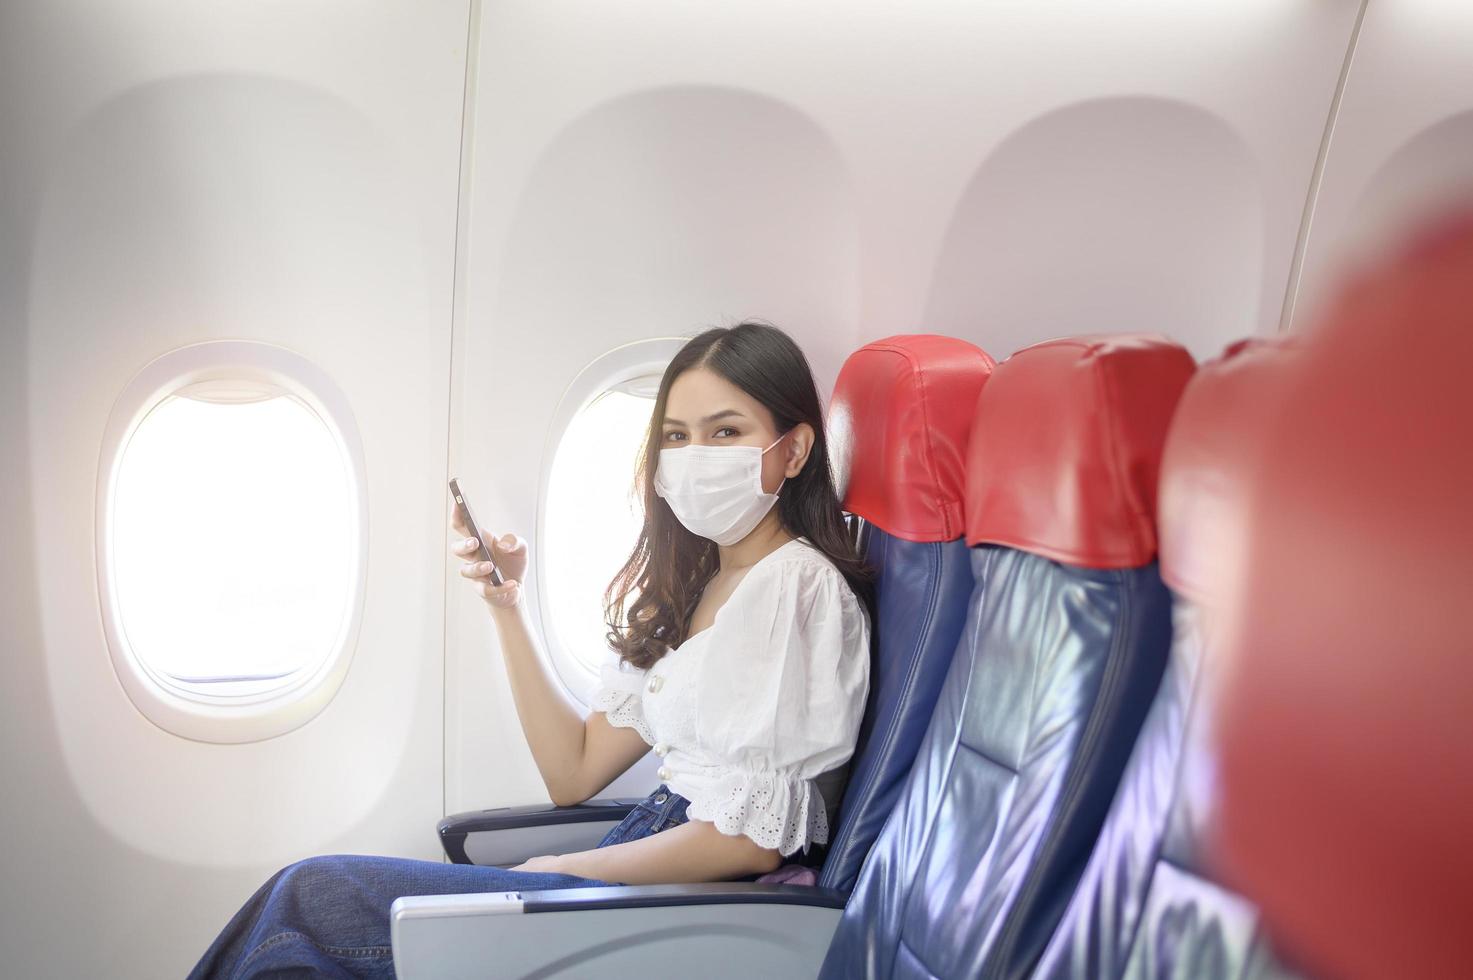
column 620, row 697
column 773, row 809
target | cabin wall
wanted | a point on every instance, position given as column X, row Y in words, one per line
column 1002, row 172
column 452, row 207
column 1402, row 145
column 174, row 173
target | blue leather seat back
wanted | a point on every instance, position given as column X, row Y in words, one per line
column 1014, row 774
column 921, row 596
column 1148, row 904
column 902, row 412
column 1066, row 635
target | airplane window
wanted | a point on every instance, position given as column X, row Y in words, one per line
column 233, row 540
column 593, row 514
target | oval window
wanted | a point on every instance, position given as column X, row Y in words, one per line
column 231, row 531
column 590, row 513
column 594, row 513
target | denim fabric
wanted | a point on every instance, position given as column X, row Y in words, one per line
column 328, row 916
column 659, row 811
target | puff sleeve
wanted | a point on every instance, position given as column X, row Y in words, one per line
column 781, row 702
column 619, row 696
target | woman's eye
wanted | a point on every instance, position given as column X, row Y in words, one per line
column 674, row 436
column 726, row 428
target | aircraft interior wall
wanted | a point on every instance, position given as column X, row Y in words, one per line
column 470, row 217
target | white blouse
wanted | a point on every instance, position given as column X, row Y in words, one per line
column 749, row 713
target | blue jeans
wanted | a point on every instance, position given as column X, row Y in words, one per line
column 328, row 916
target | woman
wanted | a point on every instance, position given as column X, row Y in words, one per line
column 742, row 630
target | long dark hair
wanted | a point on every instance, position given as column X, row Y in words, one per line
column 670, row 566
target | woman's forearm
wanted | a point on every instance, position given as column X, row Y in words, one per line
column 693, row 851
column 553, row 726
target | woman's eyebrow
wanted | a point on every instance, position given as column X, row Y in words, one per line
column 724, row 413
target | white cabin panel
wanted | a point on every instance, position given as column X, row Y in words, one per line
column 1402, row 148
column 187, row 173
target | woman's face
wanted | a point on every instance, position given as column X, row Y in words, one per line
column 704, row 409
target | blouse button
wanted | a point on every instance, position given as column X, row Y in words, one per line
column 664, row 774
column 655, row 684
column 661, row 748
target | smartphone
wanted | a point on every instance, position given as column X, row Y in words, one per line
column 470, row 522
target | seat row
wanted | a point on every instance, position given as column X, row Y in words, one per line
column 1059, row 545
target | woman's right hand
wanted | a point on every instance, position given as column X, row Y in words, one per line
column 510, row 555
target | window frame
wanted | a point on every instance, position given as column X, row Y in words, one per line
column 628, row 362
column 190, row 711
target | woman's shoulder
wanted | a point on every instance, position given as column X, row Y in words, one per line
column 799, row 562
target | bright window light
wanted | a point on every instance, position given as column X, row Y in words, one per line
column 593, row 514
column 233, row 539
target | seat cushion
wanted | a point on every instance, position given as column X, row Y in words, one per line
column 1149, row 904
column 921, row 603
column 1018, row 765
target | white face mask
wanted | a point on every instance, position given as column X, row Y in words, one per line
column 716, row 491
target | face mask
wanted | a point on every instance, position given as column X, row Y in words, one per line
column 716, row 491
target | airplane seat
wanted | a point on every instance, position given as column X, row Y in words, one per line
column 898, row 423
column 1147, row 904
column 1346, row 735
column 901, row 414
column 900, row 418
column 1066, row 636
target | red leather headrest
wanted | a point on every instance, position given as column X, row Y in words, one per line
column 1210, row 462
column 1066, row 448
column 900, row 415
column 1347, row 718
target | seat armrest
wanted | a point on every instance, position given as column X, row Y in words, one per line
column 511, row 834
column 657, row 896
column 721, row 929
